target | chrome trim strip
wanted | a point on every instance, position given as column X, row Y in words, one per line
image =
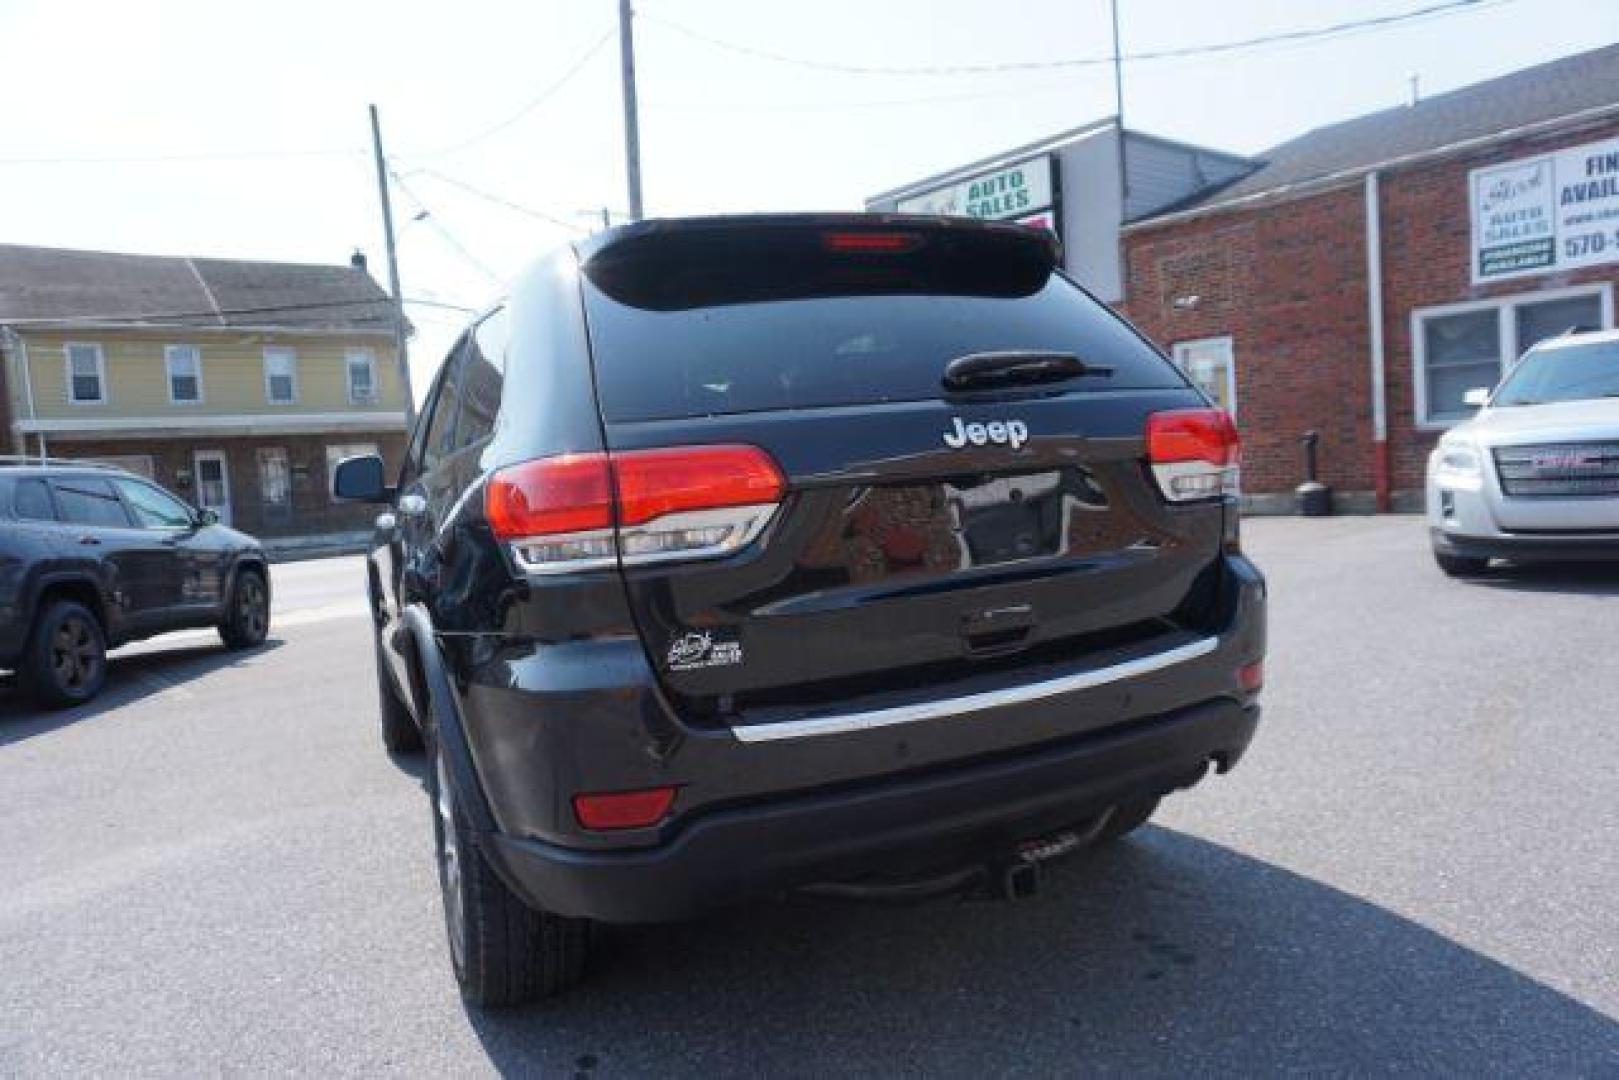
column 989, row 699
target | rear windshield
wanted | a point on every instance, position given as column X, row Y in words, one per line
column 658, row 362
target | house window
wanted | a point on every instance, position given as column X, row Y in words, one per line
column 86, row 374
column 280, row 375
column 337, row 452
column 362, row 376
column 184, row 365
column 275, row 485
column 1461, row 347
column 1210, row 365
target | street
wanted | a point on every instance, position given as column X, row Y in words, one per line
column 215, row 867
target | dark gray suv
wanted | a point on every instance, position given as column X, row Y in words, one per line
column 93, row 557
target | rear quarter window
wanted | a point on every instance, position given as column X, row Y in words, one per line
column 822, row 351
column 31, row 501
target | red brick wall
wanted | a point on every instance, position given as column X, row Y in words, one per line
column 1286, row 280
column 1287, row 284
column 313, row 512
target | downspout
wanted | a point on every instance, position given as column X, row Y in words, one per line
column 19, row 349
column 1374, row 320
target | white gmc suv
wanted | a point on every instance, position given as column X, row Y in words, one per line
column 1535, row 474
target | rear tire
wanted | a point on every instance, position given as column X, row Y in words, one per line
column 399, row 731
column 1461, row 565
column 504, row 952
column 247, row 611
column 1126, row 818
column 65, row 662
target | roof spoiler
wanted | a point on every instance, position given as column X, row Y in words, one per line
column 1037, row 240
column 683, row 263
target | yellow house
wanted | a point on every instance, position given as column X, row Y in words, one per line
column 236, row 384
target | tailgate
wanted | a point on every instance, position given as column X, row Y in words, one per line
column 924, row 533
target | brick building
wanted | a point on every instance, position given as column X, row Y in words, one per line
column 236, row 384
column 1365, row 275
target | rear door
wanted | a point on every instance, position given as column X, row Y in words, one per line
column 138, row 566
column 926, row 532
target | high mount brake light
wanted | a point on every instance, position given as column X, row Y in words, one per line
column 871, row 243
column 1194, row 453
column 587, row 511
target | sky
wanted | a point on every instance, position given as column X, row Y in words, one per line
column 249, row 129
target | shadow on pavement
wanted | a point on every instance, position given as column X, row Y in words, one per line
column 1165, row 954
column 1595, row 579
column 130, row 677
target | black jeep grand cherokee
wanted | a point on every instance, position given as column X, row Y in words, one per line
column 740, row 555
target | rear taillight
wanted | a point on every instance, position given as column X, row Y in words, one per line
column 586, row 511
column 1194, row 453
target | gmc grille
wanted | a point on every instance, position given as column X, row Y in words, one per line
column 1558, row 470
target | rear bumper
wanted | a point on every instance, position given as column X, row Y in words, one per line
column 906, row 823
column 917, row 780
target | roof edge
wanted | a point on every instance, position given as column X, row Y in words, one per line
column 25, row 326
column 1005, row 157
column 1328, row 181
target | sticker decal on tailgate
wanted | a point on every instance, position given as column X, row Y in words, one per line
column 698, row 649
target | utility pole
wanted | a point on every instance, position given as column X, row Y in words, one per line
column 400, row 358
column 632, row 124
column 1118, row 104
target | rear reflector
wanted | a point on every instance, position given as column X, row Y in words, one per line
column 1194, row 453
column 1251, row 676
column 588, row 511
column 623, row 809
column 891, row 243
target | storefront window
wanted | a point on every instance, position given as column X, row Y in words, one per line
column 1463, row 351
column 1537, row 322
column 1466, row 346
column 1211, row 367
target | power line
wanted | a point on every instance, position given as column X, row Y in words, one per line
column 179, row 158
column 449, row 238
column 1350, row 26
column 534, row 103
column 491, row 197
column 444, row 304
column 211, row 313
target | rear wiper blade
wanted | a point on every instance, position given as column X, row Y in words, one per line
column 1016, row 366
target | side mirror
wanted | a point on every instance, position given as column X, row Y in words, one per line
column 360, row 479
column 206, row 516
column 1479, row 395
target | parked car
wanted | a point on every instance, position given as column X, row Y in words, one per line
column 735, row 556
column 1533, row 475
column 93, row 557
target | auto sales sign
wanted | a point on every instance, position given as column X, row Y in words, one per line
column 1018, row 192
column 1557, row 211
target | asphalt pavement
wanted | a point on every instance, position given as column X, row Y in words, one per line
column 216, row 868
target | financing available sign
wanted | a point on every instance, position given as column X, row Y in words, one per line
column 1556, row 211
column 1019, row 192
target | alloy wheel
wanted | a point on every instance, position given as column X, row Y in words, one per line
column 252, row 608
column 74, row 654
column 450, row 860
